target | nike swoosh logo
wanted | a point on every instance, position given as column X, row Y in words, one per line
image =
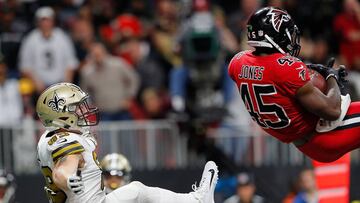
column 62, row 140
column 212, row 171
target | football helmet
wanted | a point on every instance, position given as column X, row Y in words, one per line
column 116, row 169
column 65, row 105
column 274, row 28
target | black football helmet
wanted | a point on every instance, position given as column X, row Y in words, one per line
column 274, row 28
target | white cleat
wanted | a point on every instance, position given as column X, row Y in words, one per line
column 204, row 193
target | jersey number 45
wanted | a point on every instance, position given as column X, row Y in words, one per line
column 260, row 91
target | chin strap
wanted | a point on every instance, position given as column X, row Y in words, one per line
column 269, row 44
column 274, row 44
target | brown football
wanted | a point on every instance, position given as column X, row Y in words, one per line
column 318, row 80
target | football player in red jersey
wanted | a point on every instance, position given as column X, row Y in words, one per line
column 276, row 89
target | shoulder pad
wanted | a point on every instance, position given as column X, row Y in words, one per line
column 64, row 143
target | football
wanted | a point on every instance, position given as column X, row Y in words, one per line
column 317, row 80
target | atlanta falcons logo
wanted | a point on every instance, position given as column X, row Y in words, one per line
column 278, row 17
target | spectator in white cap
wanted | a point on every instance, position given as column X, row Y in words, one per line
column 47, row 54
column 245, row 190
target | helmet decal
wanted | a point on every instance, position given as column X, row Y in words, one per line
column 55, row 103
column 278, row 17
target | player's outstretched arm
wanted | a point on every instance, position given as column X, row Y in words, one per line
column 65, row 172
column 326, row 106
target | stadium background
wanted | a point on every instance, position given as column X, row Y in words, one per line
column 151, row 42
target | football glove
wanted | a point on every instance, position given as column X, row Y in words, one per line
column 328, row 71
column 75, row 183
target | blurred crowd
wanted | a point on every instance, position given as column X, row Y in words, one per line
column 142, row 59
column 242, row 188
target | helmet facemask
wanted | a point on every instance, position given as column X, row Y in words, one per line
column 87, row 115
column 294, row 37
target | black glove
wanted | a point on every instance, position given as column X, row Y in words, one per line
column 328, row 71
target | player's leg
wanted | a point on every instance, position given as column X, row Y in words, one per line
column 329, row 146
column 137, row 192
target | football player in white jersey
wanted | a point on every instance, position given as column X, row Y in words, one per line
column 66, row 153
column 116, row 171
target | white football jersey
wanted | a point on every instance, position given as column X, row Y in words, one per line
column 54, row 145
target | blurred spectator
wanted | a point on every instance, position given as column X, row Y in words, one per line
column 127, row 30
column 103, row 12
column 47, row 55
column 127, row 33
column 83, row 37
column 7, row 187
column 165, row 32
column 85, row 13
column 112, row 82
column 120, row 30
column 10, row 100
column 320, row 51
column 238, row 20
column 200, row 43
column 27, row 90
column 347, row 26
column 236, row 129
column 137, row 53
column 308, row 190
column 152, row 95
column 12, row 30
column 245, row 191
column 154, row 104
column 227, row 38
column 142, row 10
column 67, row 14
column 294, row 190
column 315, row 49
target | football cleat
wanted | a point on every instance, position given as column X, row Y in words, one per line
column 204, row 193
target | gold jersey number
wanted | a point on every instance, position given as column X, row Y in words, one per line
column 55, row 195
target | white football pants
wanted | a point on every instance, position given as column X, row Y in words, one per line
column 137, row 192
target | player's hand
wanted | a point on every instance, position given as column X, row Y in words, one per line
column 75, row 183
column 328, row 71
column 343, row 82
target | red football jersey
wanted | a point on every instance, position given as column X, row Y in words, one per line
column 268, row 85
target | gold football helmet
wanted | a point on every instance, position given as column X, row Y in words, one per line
column 65, row 105
column 116, row 169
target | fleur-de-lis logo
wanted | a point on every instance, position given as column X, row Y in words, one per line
column 55, row 103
